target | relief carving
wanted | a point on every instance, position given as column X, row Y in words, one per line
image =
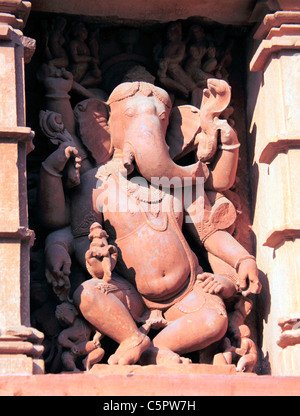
column 131, row 275
column 290, row 330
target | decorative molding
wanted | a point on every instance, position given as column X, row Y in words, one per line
column 282, row 233
column 276, row 20
column 289, row 4
column 270, row 46
column 284, row 30
column 6, row 32
column 22, row 233
column 278, row 145
column 21, row 134
column 15, row 12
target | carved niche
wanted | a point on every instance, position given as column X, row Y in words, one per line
column 77, row 66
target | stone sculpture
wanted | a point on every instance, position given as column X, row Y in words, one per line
column 198, row 69
column 153, row 278
column 290, row 330
column 170, row 72
column 55, row 40
column 204, row 59
column 76, row 339
column 84, row 66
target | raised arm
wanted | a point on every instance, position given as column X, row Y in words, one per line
column 54, row 207
column 224, row 166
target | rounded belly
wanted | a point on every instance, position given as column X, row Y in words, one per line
column 156, row 262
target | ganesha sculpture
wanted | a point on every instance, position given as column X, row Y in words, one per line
column 144, row 274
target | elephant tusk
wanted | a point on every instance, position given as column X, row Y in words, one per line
column 128, row 157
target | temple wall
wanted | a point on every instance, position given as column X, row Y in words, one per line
column 273, row 111
column 268, row 127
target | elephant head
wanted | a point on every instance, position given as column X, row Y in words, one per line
column 139, row 118
column 134, row 124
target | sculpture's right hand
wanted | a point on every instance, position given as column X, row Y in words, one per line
column 55, row 79
column 58, row 269
column 57, row 161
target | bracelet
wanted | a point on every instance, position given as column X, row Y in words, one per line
column 59, row 243
column 229, row 146
column 50, row 171
column 237, row 264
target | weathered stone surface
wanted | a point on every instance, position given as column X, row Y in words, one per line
column 227, row 12
column 171, row 369
column 148, row 385
column 274, row 118
column 16, row 351
column 275, row 168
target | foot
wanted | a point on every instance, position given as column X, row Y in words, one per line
column 162, row 356
column 129, row 351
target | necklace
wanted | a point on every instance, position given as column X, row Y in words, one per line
column 141, row 192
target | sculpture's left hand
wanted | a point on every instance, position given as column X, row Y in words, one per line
column 248, row 277
column 217, row 285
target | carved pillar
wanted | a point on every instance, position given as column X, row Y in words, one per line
column 19, row 344
column 274, row 114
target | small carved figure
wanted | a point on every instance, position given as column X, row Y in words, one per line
column 247, row 351
column 196, row 52
column 242, row 309
column 57, row 54
column 84, row 67
column 204, row 61
column 76, row 338
column 101, row 258
column 238, row 347
column 170, row 73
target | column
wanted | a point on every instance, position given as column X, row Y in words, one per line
column 20, row 347
column 274, row 137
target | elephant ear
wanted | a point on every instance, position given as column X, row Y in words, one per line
column 184, row 125
column 92, row 119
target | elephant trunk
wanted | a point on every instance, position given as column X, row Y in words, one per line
column 151, row 155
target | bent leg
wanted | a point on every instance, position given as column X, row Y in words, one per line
column 195, row 324
column 93, row 357
column 192, row 332
column 108, row 314
column 68, row 360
